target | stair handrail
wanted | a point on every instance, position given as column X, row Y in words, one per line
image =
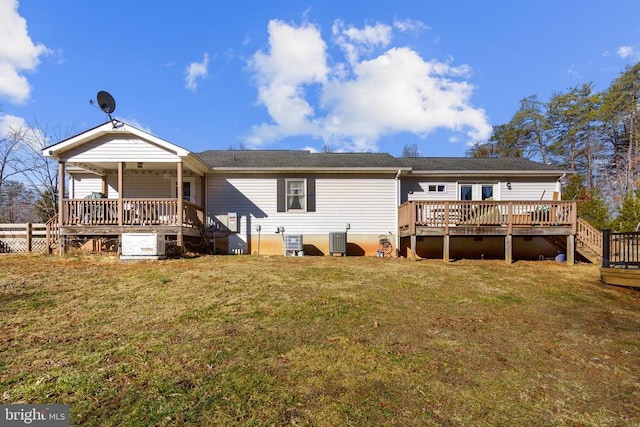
column 589, row 236
column 52, row 232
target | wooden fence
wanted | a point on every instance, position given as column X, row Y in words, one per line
column 23, row 238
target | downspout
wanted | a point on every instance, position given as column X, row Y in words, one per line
column 559, row 185
column 397, row 243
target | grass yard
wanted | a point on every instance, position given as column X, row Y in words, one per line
column 323, row 341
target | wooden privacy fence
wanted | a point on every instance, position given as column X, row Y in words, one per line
column 620, row 249
column 22, row 238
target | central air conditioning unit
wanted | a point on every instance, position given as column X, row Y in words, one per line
column 338, row 243
column 143, row 246
column 293, row 245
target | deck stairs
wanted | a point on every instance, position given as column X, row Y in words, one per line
column 588, row 243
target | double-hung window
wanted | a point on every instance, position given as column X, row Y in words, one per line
column 296, row 197
column 297, row 194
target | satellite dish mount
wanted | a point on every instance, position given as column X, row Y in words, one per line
column 106, row 103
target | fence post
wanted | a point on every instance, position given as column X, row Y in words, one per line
column 29, row 232
column 606, row 247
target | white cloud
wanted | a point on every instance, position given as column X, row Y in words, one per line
column 18, row 53
column 296, row 60
column 10, row 124
column 405, row 25
column 376, row 93
column 356, row 42
column 195, row 71
column 573, row 72
column 627, row 52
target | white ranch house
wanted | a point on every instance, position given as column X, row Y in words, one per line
column 122, row 180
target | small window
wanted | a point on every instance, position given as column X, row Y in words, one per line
column 439, row 188
column 296, row 200
column 487, row 192
column 466, row 192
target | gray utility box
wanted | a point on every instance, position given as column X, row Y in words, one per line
column 293, row 245
column 338, row 243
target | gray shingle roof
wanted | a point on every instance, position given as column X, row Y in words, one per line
column 295, row 159
column 291, row 159
column 475, row 164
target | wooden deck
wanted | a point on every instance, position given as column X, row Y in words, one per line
column 621, row 259
column 488, row 218
column 88, row 218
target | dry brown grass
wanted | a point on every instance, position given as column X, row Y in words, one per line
column 318, row 341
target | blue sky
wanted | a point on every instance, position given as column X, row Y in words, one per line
column 369, row 76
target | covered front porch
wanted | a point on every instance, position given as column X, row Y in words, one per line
column 124, row 180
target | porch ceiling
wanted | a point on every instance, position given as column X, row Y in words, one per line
column 101, row 168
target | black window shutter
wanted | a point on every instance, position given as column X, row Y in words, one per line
column 311, row 194
column 282, row 195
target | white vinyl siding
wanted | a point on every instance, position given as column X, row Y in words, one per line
column 415, row 189
column 84, row 184
column 137, row 185
column 528, row 190
column 521, row 189
column 368, row 204
column 125, row 148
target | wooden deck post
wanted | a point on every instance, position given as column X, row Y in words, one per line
column 62, row 217
column 105, row 186
column 606, row 248
column 121, row 167
column 446, row 256
column 29, row 233
column 180, row 195
column 571, row 249
column 48, row 237
column 508, row 248
column 413, row 247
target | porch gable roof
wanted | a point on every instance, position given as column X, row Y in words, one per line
column 119, row 129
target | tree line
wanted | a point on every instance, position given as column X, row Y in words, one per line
column 595, row 134
column 28, row 180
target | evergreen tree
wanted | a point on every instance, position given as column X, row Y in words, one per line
column 628, row 218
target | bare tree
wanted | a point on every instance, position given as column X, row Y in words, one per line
column 410, row 150
column 11, row 162
column 42, row 172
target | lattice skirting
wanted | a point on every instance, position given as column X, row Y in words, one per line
column 19, row 245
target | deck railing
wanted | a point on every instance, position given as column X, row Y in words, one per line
column 105, row 212
column 620, row 249
column 485, row 213
column 52, row 232
column 589, row 236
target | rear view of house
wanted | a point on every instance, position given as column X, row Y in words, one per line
column 123, row 180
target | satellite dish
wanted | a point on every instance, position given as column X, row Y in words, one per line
column 106, row 102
